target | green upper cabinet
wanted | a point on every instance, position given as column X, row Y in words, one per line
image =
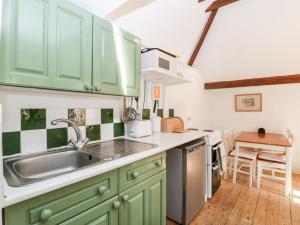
column 116, row 60
column 24, row 49
column 46, row 44
column 70, row 47
column 54, row 44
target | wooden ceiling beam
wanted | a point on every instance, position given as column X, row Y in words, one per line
column 218, row 4
column 202, row 37
column 285, row 79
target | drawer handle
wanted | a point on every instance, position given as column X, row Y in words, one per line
column 158, row 163
column 46, row 214
column 102, row 189
column 116, row 205
column 135, row 174
column 125, row 198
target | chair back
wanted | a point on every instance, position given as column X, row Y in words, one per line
column 228, row 140
column 290, row 137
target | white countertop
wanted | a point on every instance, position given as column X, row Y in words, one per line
column 165, row 141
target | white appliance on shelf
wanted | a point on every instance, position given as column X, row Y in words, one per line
column 213, row 178
column 162, row 68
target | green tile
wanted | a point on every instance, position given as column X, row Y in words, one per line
column 107, row 115
column 33, row 119
column 171, row 113
column 93, row 132
column 57, row 137
column 146, row 114
column 119, row 129
column 11, row 143
column 160, row 112
column 77, row 115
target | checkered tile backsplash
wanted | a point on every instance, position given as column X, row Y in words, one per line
column 30, row 130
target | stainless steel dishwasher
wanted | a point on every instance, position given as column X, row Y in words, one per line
column 186, row 177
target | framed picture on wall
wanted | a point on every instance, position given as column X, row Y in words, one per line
column 248, row 102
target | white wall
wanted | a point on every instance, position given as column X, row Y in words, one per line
column 252, row 39
column 281, row 110
column 188, row 100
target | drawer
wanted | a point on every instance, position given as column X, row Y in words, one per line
column 136, row 172
column 62, row 204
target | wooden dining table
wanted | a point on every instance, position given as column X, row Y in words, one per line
column 272, row 142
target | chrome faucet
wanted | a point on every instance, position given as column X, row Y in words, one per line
column 79, row 143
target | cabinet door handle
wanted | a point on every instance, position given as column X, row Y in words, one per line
column 87, row 87
column 116, row 205
column 97, row 88
column 125, row 198
column 158, row 163
column 46, row 214
column 135, row 174
column 102, row 189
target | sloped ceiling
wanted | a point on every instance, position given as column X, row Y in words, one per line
column 174, row 26
column 248, row 39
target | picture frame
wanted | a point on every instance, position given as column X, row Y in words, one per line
column 248, row 102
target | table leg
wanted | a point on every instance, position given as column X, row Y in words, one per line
column 288, row 175
column 235, row 164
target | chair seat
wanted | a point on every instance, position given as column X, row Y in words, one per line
column 272, row 157
column 247, row 153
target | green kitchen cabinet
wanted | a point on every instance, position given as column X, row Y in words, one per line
column 145, row 203
column 81, row 200
column 24, row 45
column 70, row 47
column 99, row 200
column 116, row 60
column 103, row 214
column 46, row 44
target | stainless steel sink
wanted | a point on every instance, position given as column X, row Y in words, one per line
column 21, row 171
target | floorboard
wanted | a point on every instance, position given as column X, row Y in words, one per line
column 240, row 205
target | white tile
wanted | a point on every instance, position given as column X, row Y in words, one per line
column 53, row 114
column 117, row 115
column 33, row 141
column 72, row 134
column 107, row 131
column 11, row 119
column 93, row 117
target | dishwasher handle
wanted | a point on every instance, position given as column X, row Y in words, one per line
column 197, row 145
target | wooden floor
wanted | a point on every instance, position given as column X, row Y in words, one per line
column 240, row 205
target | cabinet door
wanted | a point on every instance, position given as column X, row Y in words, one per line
column 24, row 47
column 116, row 60
column 103, row 214
column 145, row 204
column 70, row 47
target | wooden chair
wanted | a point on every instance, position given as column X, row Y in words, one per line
column 247, row 156
column 275, row 163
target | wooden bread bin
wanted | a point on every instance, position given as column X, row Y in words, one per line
column 174, row 124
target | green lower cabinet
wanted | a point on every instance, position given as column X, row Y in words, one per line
column 102, row 214
column 98, row 201
column 145, row 203
column 66, row 203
